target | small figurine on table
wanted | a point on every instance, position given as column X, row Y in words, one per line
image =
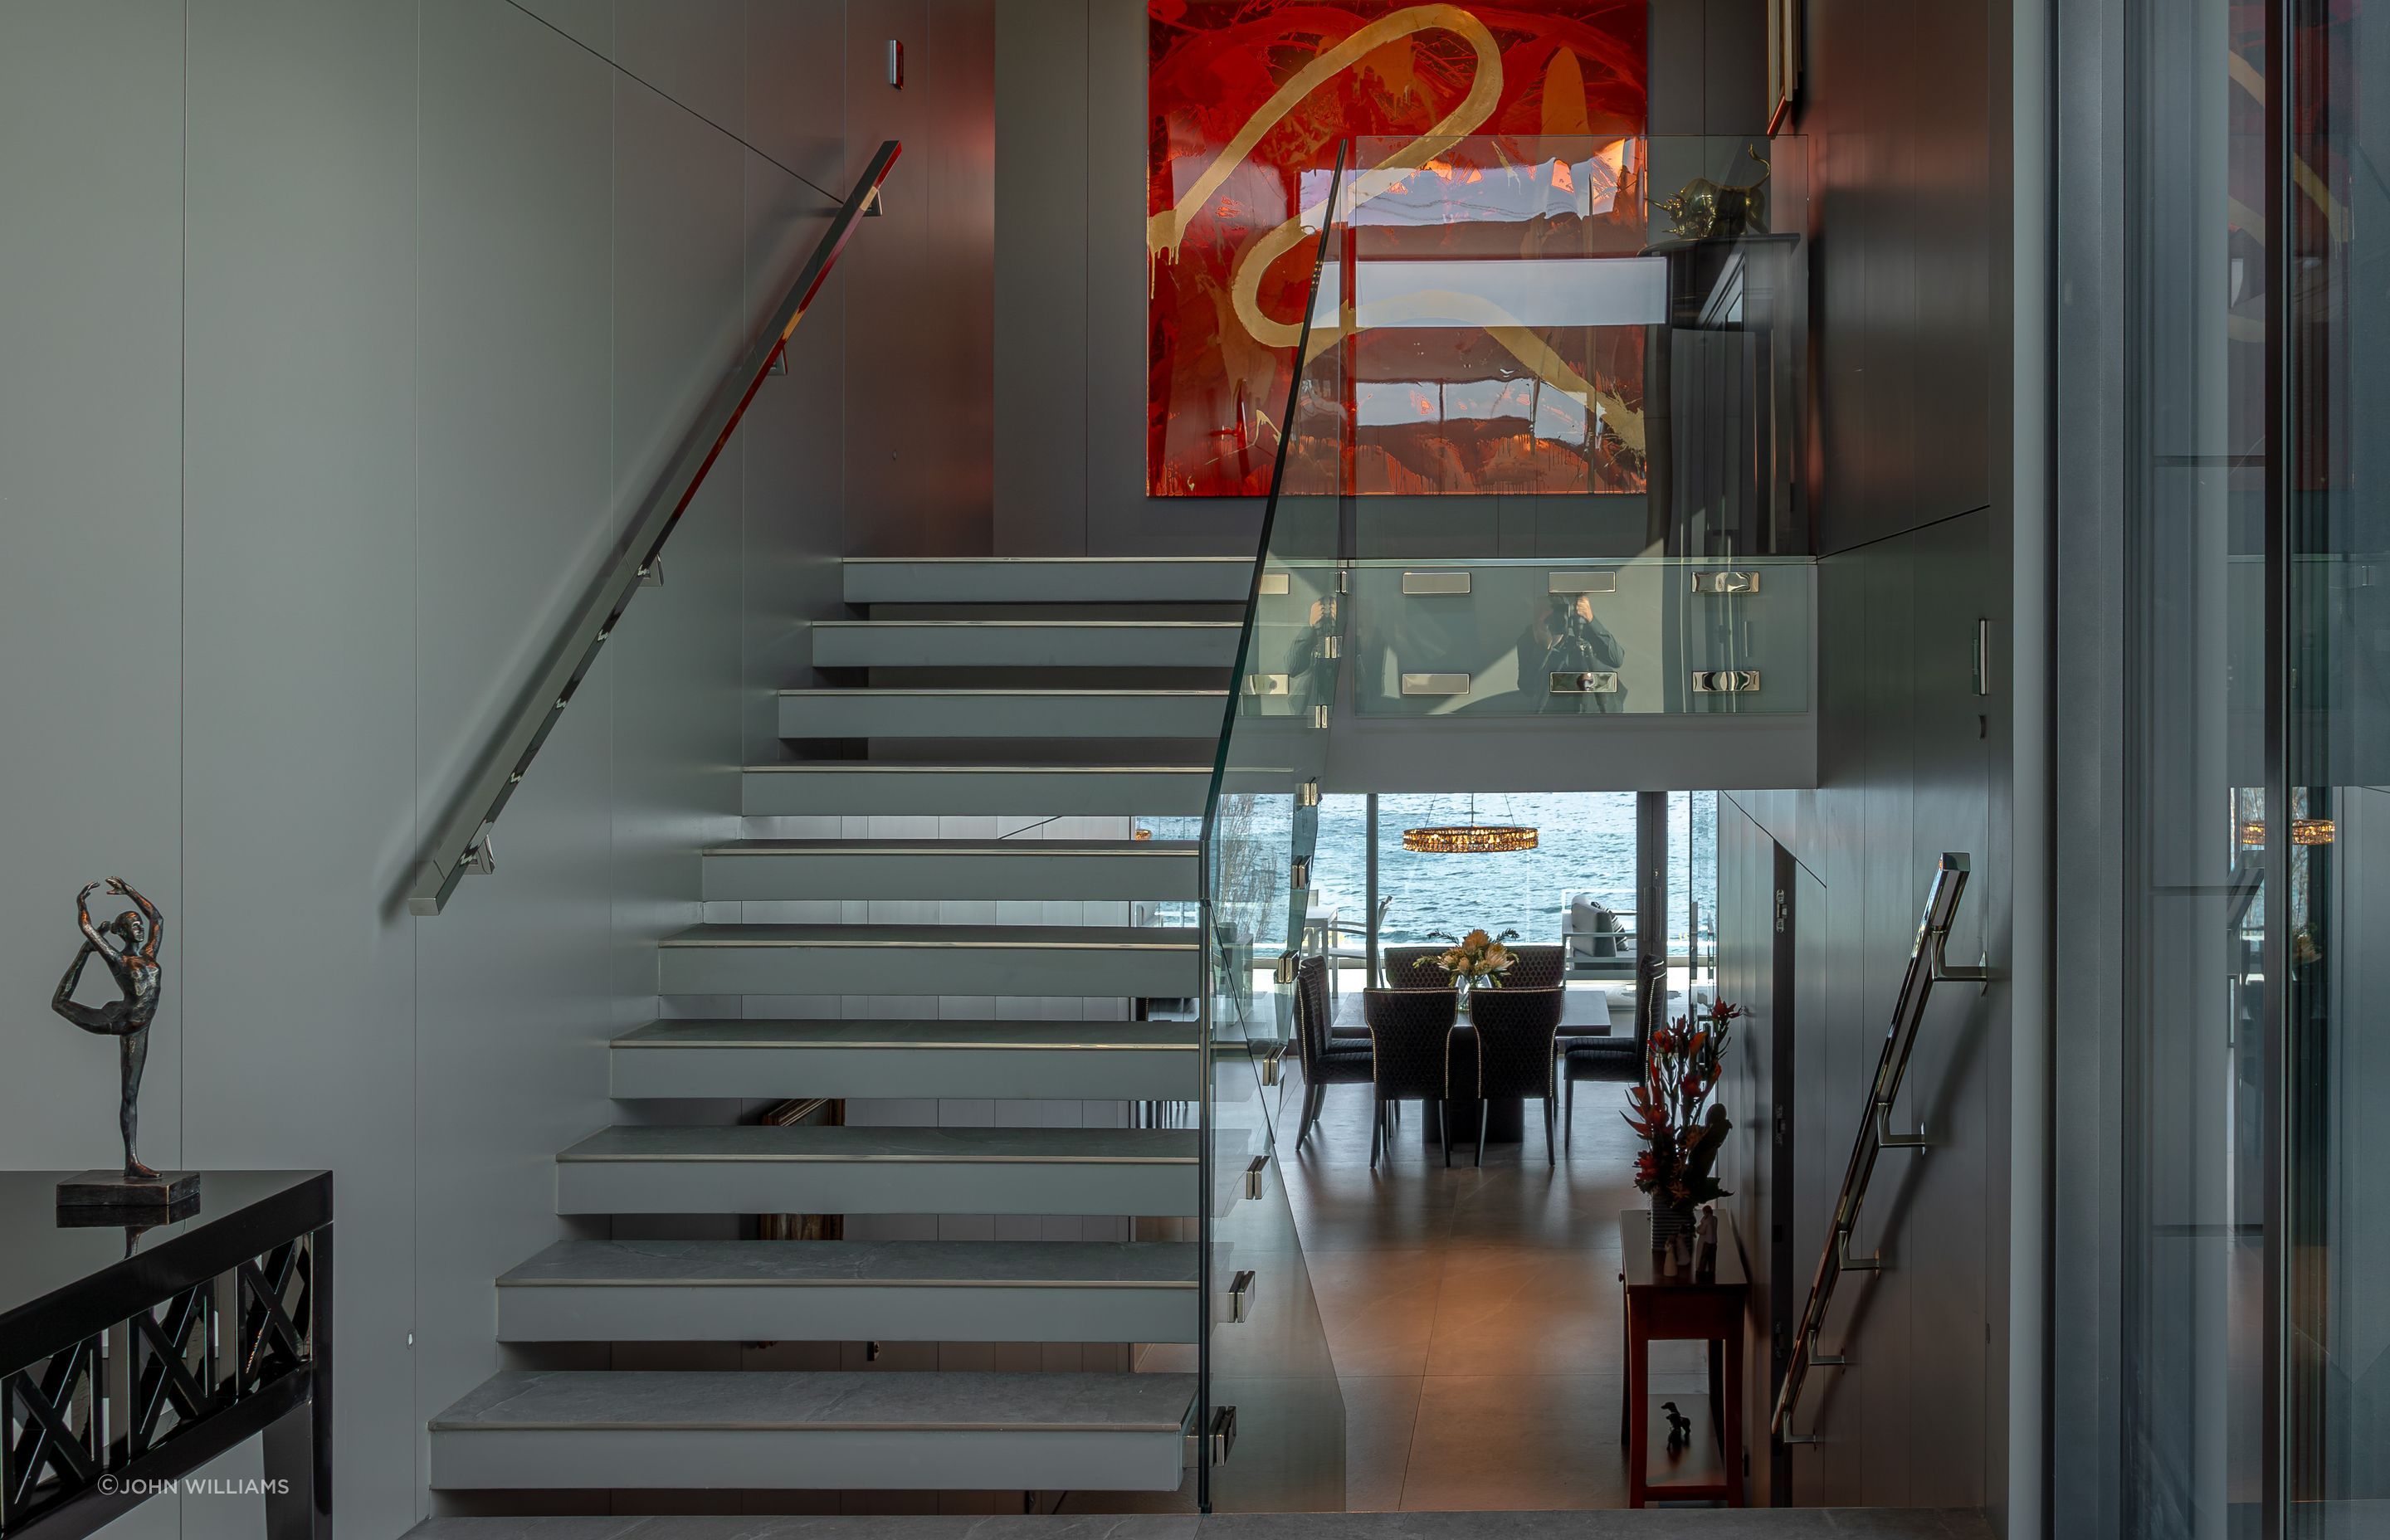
column 127, row 947
column 1706, row 1241
column 1680, row 1428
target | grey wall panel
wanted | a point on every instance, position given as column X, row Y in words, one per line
column 1915, row 764
column 280, row 555
column 1042, row 417
column 587, row 22
column 790, row 463
column 1734, row 55
column 1676, row 84
column 1897, row 103
column 691, row 52
column 680, row 243
column 680, row 324
column 1072, row 292
column 1747, row 976
column 1627, row 753
column 796, row 87
column 919, row 442
column 515, row 988
column 91, row 175
column 297, row 661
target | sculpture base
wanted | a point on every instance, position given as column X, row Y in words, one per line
column 114, row 1190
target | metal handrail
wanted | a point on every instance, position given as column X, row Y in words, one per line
column 1926, row 968
column 462, row 842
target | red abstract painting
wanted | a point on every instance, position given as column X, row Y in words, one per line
column 1512, row 132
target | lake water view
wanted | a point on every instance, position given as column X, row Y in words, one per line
column 1586, row 844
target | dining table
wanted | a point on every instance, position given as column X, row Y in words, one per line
column 1583, row 1013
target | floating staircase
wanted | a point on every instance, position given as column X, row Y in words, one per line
column 977, row 693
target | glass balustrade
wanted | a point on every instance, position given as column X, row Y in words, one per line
column 1266, row 1355
column 1648, row 635
column 1514, row 346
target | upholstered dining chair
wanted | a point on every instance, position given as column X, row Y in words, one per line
column 1413, row 967
column 1327, row 1060
column 1619, row 1056
column 1410, row 1042
column 1515, row 1028
column 1538, row 968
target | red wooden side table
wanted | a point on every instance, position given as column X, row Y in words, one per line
column 1707, row 1306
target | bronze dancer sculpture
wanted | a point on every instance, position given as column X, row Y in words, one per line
column 128, row 946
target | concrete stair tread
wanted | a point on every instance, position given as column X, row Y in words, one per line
column 770, row 870
column 1048, row 580
column 895, row 1401
column 1094, row 628
column 756, row 1033
column 1000, row 786
column 835, row 692
column 978, row 767
column 1107, row 962
column 1180, row 849
column 813, row 1143
column 971, row 1264
column 1008, row 938
column 1819, row 1523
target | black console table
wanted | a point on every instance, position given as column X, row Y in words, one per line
column 131, row 1357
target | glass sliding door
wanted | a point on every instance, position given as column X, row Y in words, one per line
column 2195, row 826
column 2332, row 152
column 2250, row 1091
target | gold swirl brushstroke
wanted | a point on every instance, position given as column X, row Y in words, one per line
column 1166, row 230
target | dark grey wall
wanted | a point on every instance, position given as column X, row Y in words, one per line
column 1905, row 108
column 1709, row 67
column 920, row 389
column 1912, row 764
column 339, row 341
column 1907, row 113
column 1751, row 975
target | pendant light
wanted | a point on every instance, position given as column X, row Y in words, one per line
column 1469, row 839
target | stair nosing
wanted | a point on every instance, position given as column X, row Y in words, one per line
column 1176, row 849
column 827, row 936
column 861, row 691
column 917, row 767
column 762, row 1158
column 521, row 1383
column 1067, row 625
column 857, row 1282
column 962, row 1250
column 942, row 1042
column 1042, row 561
column 579, row 1153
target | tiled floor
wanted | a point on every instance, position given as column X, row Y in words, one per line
column 1473, row 1314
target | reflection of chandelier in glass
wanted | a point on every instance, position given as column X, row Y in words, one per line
column 1469, row 839
column 2303, row 831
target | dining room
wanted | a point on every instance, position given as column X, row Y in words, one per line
column 1478, row 987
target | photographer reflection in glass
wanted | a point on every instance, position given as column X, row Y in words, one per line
column 1569, row 639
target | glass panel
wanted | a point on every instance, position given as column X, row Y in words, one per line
column 2193, row 1253
column 1265, row 1352
column 1546, row 637
column 1584, row 344
column 2337, row 1227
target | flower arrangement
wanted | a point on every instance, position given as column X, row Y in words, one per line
column 1477, row 959
column 1682, row 1128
